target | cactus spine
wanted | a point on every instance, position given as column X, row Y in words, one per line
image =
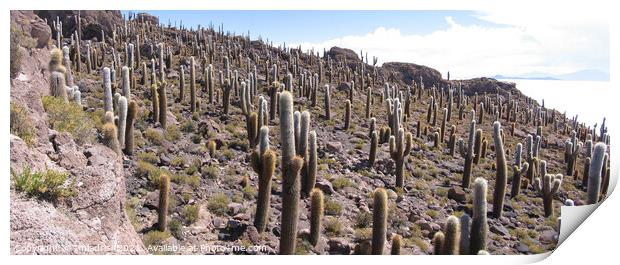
column 164, row 190
column 501, row 178
column 379, row 221
column 479, row 225
column 316, row 213
column 263, row 162
column 291, row 165
column 595, row 173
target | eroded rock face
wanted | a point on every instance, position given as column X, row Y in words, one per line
column 92, row 222
column 32, row 26
column 408, row 72
column 93, row 21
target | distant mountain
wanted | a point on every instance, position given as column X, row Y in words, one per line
column 582, row 75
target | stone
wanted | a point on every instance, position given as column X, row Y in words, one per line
column 498, row 229
column 339, row 246
column 334, row 147
column 456, row 193
column 325, row 186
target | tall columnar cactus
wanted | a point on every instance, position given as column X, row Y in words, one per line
column 122, row 120
column 595, row 173
column 572, row 148
column 273, row 102
column 436, row 140
column 251, row 121
column 164, row 191
column 316, row 213
column 379, row 221
column 110, row 134
column 155, row 103
column 374, row 141
column 400, row 146
column 328, row 114
column 226, row 96
column 479, row 224
column 532, row 156
column 549, row 185
column 368, row 102
column 264, row 163
column 132, row 111
column 586, row 172
column 347, row 115
column 477, row 146
column 452, row 234
column 125, row 85
column 210, row 82
column 396, row 244
column 291, row 165
column 192, row 85
column 55, row 63
column 501, row 178
column 58, row 86
column 310, row 167
column 438, row 243
column 518, row 169
column 443, row 125
column 465, row 222
column 163, row 106
column 181, row 83
column 107, row 90
column 468, row 154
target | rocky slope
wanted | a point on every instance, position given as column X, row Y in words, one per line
column 213, row 196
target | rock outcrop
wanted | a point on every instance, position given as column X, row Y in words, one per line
column 92, row 222
column 32, row 26
column 93, row 21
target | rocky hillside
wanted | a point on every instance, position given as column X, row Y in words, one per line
column 178, row 141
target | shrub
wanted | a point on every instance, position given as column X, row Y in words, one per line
column 341, row 182
column 173, row 133
column 191, row 213
column 333, row 207
column 148, row 157
column 249, row 192
column 154, row 136
column 155, row 238
column 176, row 228
column 21, row 125
column 210, row 172
column 48, row 184
column 363, row 219
column 16, row 55
column 177, row 161
column 333, row 226
column 69, row 117
column 218, row 204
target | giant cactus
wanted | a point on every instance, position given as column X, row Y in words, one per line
column 263, row 162
column 595, row 173
column 479, row 225
column 316, row 213
column 132, row 111
column 452, row 234
column 379, row 221
column 548, row 186
column 501, row 174
column 572, row 148
column 164, row 191
column 468, row 154
column 519, row 169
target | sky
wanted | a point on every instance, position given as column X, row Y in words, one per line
column 466, row 43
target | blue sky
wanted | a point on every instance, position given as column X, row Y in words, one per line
column 466, row 43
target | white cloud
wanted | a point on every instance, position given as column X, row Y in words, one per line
column 523, row 43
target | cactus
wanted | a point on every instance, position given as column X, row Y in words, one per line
column 251, row 121
column 58, row 86
column 122, row 120
column 452, row 234
column 347, row 115
column 479, row 225
column 396, row 244
column 291, row 165
column 465, row 222
column 379, row 221
column 438, row 242
column 192, row 86
column 310, row 167
column 501, row 178
column 452, row 141
column 436, row 140
column 164, row 191
column 595, row 176
column 316, row 213
column 163, row 106
column 372, row 126
column 181, row 84
column 549, row 185
column 263, row 162
column 132, row 111
column 55, row 63
column 226, row 96
column 155, row 103
column 468, row 154
column 518, row 169
column 368, row 102
column 125, row 83
column 572, row 148
column 328, row 114
column 211, row 146
column 400, row 146
column 477, row 146
column 273, row 91
column 532, row 156
column 443, row 125
column 373, row 149
column 586, row 172
column 107, row 90
column 483, row 148
column 110, row 135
